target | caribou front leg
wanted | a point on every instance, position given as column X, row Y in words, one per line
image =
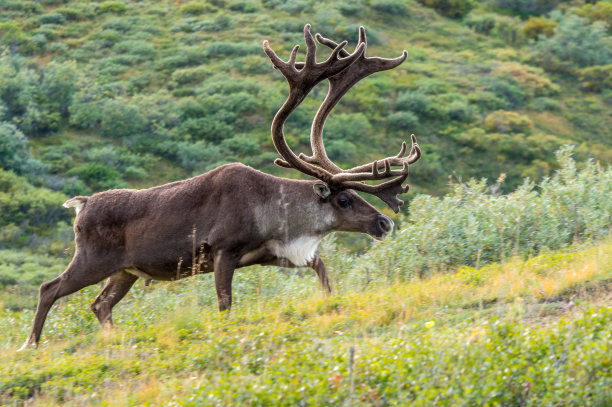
column 224, row 265
column 316, row 264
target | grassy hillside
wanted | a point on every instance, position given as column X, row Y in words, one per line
column 482, row 296
column 471, row 302
column 534, row 332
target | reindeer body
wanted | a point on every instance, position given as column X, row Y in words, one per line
column 151, row 230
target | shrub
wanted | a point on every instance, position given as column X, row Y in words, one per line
column 481, row 23
column 295, row 6
column 14, row 154
column 450, row 8
column 28, row 206
column 198, row 155
column 340, row 150
column 524, row 8
column 241, row 145
column 209, row 128
column 412, row 101
column 136, row 47
column 70, row 14
column 402, row 121
column 98, row 176
column 539, row 26
column 393, row 7
column 533, row 81
column 119, row 119
column 545, row 104
column 116, row 7
column 52, row 18
column 508, row 89
column 508, row 29
column 224, row 48
column 575, row 44
column 185, row 76
column 596, row 78
column 474, row 224
column 600, row 11
column 347, row 126
column 507, row 122
column 196, row 7
column 244, row 6
column 350, row 8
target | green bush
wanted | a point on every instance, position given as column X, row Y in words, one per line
column 402, row 121
column 596, row 78
column 575, row 44
column 544, row 104
column 98, row 176
column 507, row 122
column 340, row 150
column 241, row 146
column 508, row 89
column 347, row 126
column 196, row 156
column 524, row 8
column 116, row 7
column 28, row 206
column 52, row 18
column 224, row 49
column 539, row 26
column 481, row 23
column 196, row 8
column 596, row 11
column 119, row 119
column 136, row 47
column 476, row 224
column 244, row 6
column 450, row 8
column 14, row 154
column 392, row 7
column 188, row 76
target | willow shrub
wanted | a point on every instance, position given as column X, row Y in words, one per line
column 475, row 225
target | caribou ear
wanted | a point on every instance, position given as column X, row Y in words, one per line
column 322, row 190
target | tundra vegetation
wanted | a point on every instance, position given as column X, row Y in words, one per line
column 490, row 292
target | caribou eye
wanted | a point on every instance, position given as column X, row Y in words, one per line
column 343, row 202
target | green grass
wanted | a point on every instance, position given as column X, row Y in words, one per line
column 534, row 332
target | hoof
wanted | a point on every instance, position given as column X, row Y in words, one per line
column 29, row 344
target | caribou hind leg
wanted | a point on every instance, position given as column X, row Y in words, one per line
column 77, row 276
column 116, row 287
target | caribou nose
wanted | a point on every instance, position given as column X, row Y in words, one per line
column 386, row 224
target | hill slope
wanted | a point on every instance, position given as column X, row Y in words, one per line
column 535, row 332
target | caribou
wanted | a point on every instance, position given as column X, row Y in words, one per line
column 236, row 216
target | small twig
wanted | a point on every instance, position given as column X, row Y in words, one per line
column 351, row 375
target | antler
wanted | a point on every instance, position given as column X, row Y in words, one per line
column 301, row 83
column 319, row 165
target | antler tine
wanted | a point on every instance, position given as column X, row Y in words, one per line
column 386, row 191
column 399, row 159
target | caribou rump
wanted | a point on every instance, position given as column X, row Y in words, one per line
column 235, row 216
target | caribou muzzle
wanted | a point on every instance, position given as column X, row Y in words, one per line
column 383, row 227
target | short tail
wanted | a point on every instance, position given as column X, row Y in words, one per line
column 78, row 203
